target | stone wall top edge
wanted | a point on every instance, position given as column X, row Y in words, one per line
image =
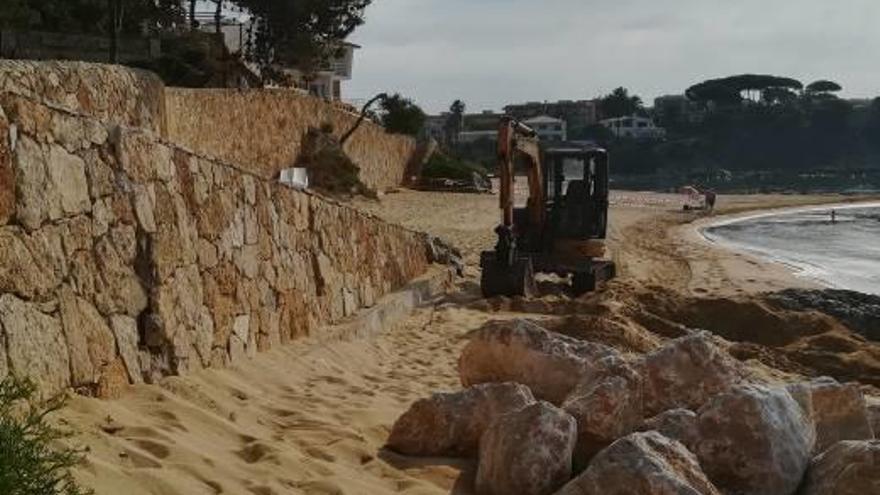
column 74, row 64
column 160, row 140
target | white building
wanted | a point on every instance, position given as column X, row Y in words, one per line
column 634, row 127
column 327, row 82
column 548, row 128
column 474, row 136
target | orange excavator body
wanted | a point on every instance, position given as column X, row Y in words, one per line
column 539, row 237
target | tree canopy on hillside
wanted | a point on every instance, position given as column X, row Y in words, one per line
column 300, row 33
column 824, row 86
column 401, row 115
column 734, row 89
column 620, row 103
column 88, row 16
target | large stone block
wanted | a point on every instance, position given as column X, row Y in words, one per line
column 20, row 273
column 519, row 351
column 7, row 172
column 838, row 411
column 451, row 424
column 114, row 285
column 66, row 179
column 50, row 183
column 754, row 440
column 677, row 424
column 527, row 452
column 186, row 321
column 607, row 405
column 643, row 464
column 31, row 183
column 688, row 372
column 35, row 344
column 90, row 341
column 127, row 339
column 847, row 468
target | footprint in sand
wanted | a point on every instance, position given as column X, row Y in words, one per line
column 261, row 490
column 138, row 460
column 334, row 380
column 257, row 452
column 318, row 453
column 170, row 420
column 155, row 449
column 217, row 488
column 323, row 487
column 148, row 440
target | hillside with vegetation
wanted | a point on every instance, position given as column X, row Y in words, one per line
column 756, row 130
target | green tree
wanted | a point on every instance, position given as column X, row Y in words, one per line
column 401, row 116
column 779, row 96
column 89, row 16
column 455, row 123
column 872, row 126
column 732, row 90
column 823, row 86
column 17, row 14
column 111, row 18
column 31, row 463
column 303, row 33
column 619, row 104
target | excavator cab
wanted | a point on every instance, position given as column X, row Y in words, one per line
column 563, row 225
column 577, row 192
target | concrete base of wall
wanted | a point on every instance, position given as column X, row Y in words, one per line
column 391, row 309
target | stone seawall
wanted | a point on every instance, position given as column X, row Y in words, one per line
column 130, row 97
column 259, row 130
column 125, row 258
column 263, row 131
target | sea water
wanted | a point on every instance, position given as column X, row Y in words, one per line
column 843, row 253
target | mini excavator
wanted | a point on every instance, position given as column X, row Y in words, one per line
column 561, row 229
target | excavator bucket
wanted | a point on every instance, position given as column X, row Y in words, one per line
column 503, row 279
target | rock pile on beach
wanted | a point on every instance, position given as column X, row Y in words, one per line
column 543, row 414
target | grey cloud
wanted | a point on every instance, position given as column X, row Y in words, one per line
column 492, row 52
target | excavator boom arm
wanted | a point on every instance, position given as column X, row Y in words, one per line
column 514, row 139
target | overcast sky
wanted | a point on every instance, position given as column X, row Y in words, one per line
column 493, row 52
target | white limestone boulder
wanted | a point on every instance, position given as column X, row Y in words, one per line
column 847, row 468
column 642, row 464
column 527, row 452
column 677, row 424
column 838, row 411
column 606, row 405
column 754, row 440
column 519, row 351
column 451, row 424
column 687, row 372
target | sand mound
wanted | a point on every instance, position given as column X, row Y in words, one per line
column 804, row 342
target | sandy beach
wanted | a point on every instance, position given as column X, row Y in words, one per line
column 312, row 418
